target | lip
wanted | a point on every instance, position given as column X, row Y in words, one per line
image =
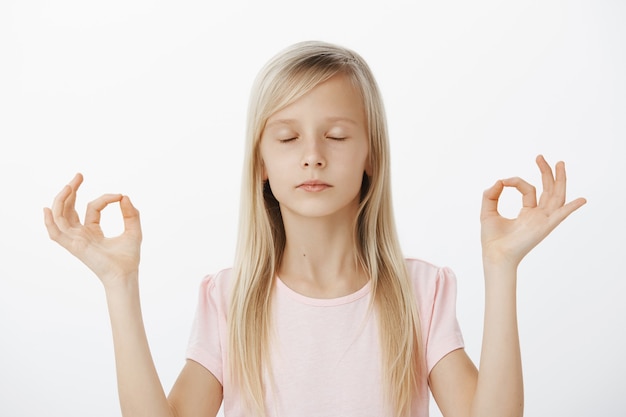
column 314, row 186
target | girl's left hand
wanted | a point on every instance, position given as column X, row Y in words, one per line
column 509, row 240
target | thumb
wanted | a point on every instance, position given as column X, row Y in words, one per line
column 490, row 199
column 130, row 214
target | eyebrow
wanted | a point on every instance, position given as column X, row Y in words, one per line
column 327, row 119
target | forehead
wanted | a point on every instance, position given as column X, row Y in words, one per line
column 335, row 100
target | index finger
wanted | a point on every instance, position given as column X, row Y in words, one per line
column 528, row 191
column 92, row 214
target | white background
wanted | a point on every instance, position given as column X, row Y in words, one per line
column 148, row 98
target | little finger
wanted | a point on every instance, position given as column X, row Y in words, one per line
column 53, row 229
column 564, row 211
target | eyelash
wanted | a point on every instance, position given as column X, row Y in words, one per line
column 328, row 137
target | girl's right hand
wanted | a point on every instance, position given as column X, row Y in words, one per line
column 111, row 259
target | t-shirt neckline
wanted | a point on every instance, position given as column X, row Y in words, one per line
column 323, row 302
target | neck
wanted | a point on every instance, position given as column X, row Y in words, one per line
column 320, row 257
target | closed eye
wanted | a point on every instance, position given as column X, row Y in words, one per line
column 287, row 140
column 336, row 138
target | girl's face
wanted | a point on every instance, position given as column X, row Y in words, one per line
column 315, row 151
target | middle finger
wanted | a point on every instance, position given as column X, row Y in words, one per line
column 69, row 209
column 547, row 180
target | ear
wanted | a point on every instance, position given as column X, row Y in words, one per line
column 264, row 176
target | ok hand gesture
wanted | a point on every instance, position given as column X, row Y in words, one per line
column 112, row 259
column 509, row 240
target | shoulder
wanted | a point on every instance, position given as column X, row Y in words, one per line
column 216, row 287
column 420, row 268
column 426, row 274
column 430, row 281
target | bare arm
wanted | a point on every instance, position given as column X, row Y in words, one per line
column 497, row 388
column 196, row 392
column 116, row 262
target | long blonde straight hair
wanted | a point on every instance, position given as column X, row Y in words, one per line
column 261, row 241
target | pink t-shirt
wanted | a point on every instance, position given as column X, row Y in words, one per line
column 326, row 353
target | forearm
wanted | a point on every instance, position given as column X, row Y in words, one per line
column 140, row 390
column 499, row 390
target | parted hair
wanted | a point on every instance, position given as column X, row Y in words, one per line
column 286, row 77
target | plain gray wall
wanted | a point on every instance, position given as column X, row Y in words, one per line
column 149, row 99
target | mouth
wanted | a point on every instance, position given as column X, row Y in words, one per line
column 314, row 186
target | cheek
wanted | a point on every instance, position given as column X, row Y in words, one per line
column 266, row 163
column 278, row 175
column 270, row 160
column 352, row 171
column 366, row 165
column 271, row 169
column 359, row 161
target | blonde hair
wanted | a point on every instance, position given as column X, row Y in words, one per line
column 261, row 241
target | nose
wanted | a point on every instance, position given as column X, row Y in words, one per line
column 313, row 155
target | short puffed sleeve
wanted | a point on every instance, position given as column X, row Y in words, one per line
column 207, row 342
column 436, row 298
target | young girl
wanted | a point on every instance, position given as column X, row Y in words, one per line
column 321, row 314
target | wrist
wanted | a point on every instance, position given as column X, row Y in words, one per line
column 499, row 270
column 499, row 260
column 120, row 283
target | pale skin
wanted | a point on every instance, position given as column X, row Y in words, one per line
column 326, row 134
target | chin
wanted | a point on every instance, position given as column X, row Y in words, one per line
column 322, row 211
